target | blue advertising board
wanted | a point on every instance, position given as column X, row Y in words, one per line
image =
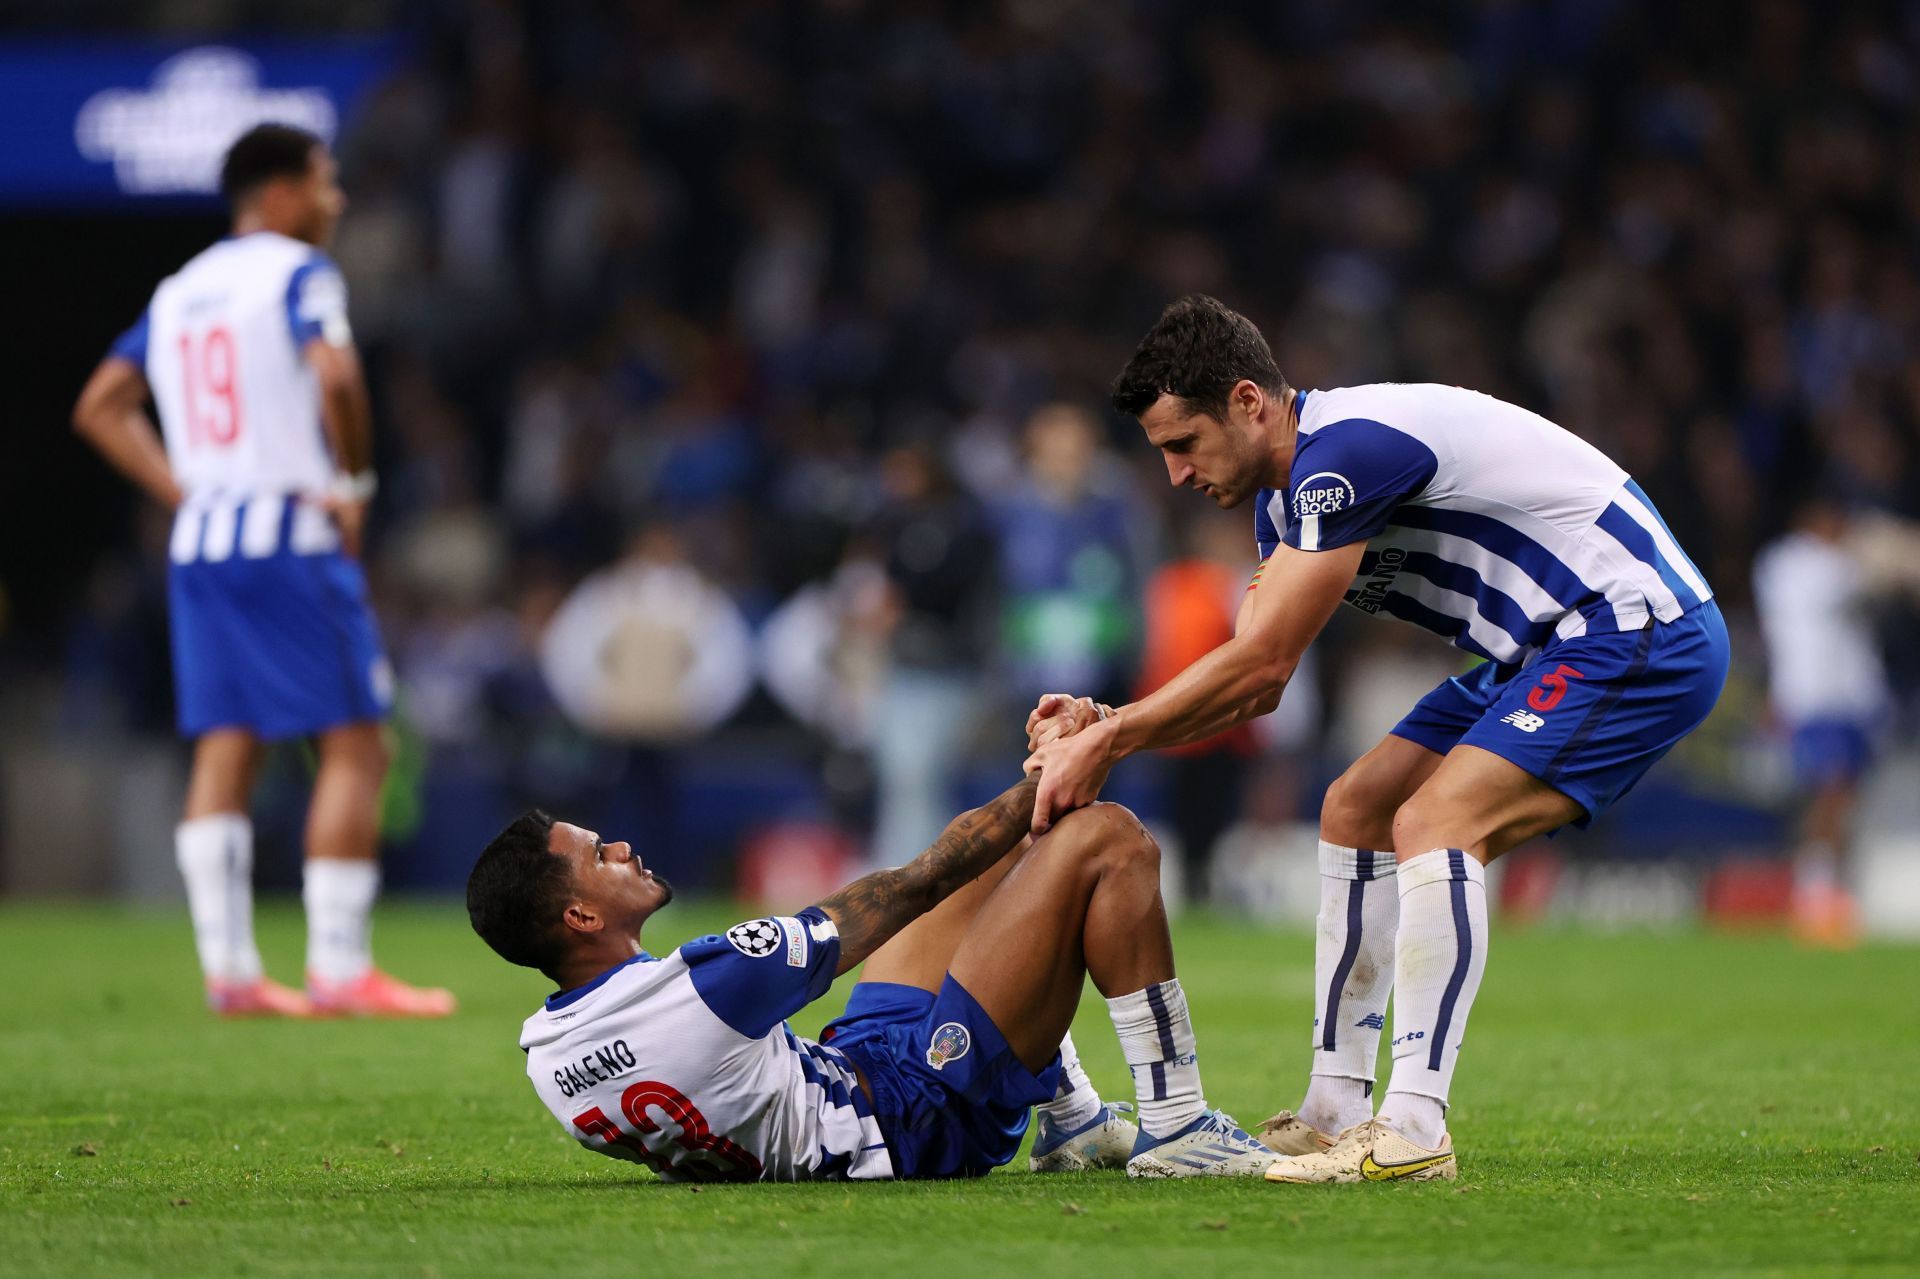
column 92, row 122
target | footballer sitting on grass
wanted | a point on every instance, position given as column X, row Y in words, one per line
column 975, row 961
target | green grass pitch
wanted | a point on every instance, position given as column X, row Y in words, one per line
column 1633, row 1104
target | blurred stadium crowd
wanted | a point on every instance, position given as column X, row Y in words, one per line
column 740, row 367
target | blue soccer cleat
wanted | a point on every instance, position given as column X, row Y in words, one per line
column 1211, row 1146
column 1104, row 1141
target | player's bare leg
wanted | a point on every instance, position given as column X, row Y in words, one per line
column 921, row 953
column 1473, row 808
column 342, row 878
column 1824, row 912
column 1074, row 1131
column 1353, row 947
column 1084, row 901
column 214, row 848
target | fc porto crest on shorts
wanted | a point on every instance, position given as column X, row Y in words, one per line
column 950, row 1043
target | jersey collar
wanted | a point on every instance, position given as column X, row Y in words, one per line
column 561, row 998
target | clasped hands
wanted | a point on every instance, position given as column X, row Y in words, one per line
column 1072, row 745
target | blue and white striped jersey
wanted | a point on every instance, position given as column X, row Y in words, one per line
column 685, row 1064
column 222, row 345
column 1484, row 523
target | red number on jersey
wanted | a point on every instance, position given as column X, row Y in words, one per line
column 209, row 383
column 716, row 1158
column 1553, row 687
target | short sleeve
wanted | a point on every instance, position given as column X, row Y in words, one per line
column 1265, row 534
column 1347, row 479
column 317, row 303
column 132, row 345
column 760, row 972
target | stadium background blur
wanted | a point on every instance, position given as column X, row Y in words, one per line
column 739, row 380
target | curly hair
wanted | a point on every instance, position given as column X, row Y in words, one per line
column 517, row 891
column 1196, row 351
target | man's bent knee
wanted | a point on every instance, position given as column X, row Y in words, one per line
column 1420, row 826
column 1107, row 833
column 1357, row 810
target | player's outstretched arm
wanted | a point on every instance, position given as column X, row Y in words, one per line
column 870, row 910
column 1238, row 681
column 111, row 415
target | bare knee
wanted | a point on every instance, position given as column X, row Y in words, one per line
column 1430, row 820
column 224, row 763
column 1107, row 836
column 1415, row 827
column 1358, row 811
column 356, row 748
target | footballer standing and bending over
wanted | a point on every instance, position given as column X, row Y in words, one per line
column 1493, row 528
column 265, row 460
column 976, row 952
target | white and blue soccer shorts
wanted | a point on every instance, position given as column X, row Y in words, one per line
column 950, row 1096
column 1589, row 715
column 284, row 645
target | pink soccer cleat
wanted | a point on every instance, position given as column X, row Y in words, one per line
column 260, row 997
column 376, row 994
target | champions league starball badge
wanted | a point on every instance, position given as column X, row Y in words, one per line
column 756, row 939
column 950, row 1043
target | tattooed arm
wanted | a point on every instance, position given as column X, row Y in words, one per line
column 870, row 910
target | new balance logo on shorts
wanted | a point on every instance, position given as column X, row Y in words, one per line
column 1525, row 721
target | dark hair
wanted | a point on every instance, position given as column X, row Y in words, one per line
column 1197, row 350
column 261, row 154
column 517, row 891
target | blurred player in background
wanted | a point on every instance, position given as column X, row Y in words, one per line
column 979, row 948
column 1488, row 525
column 1813, row 589
column 248, row 359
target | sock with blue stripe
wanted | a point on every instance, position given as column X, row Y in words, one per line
column 1074, row 1102
column 1156, row 1037
column 1352, row 978
column 1441, row 955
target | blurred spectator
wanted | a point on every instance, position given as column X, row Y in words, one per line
column 1074, row 550
column 1815, row 589
column 1191, row 606
column 648, row 650
column 940, row 568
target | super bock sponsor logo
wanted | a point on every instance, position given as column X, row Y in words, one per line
column 1322, row 493
column 950, row 1043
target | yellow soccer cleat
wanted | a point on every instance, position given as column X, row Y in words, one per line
column 1368, row 1152
column 1288, row 1134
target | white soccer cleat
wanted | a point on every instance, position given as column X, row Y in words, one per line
column 1105, row 1141
column 1211, row 1146
column 1368, row 1152
column 1288, row 1134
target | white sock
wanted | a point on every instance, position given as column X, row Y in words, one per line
column 1156, row 1037
column 339, row 896
column 1352, row 977
column 1442, row 952
column 1074, row 1102
column 215, row 855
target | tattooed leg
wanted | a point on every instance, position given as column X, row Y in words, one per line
column 1083, row 900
